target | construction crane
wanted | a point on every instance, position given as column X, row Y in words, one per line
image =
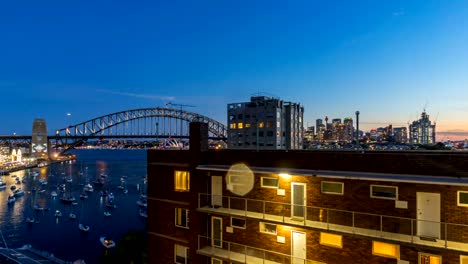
column 179, row 105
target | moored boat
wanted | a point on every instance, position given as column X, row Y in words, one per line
column 107, row 242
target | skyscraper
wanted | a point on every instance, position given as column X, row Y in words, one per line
column 265, row 123
column 422, row 131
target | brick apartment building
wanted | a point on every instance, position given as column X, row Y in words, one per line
column 247, row 206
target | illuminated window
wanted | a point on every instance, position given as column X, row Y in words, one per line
column 238, row 222
column 267, row 182
column 332, row 187
column 181, row 217
column 462, row 199
column 232, row 126
column 268, row 228
column 240, row 125
column 331, row 240
column 260, row 125
column 247, row 125
column 180, row 254
column 425, row 258
column 182, row 181
column 385, row 250
column 384, row 192
column 463, row 259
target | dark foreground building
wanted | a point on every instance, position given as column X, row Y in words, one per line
column 244, row 206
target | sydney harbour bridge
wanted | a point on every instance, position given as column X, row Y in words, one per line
column 145, row 123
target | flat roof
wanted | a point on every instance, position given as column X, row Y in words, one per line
column 351, row 175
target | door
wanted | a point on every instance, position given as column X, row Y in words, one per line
column 298, row 200
column 428, row 214
column 216, row 231
column 298, row 247
column 216, row 191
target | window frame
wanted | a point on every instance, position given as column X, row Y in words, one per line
column 458, row 199
column 382, row 197
column 187, row 181
column 239, row 227
column 268, row 186
column 264, row 232
column 333, row 182
column 186, row 217
column 185, row 251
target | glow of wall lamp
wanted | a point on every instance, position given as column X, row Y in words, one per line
column 285, row 175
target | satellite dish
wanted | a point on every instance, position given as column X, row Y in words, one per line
column 239, row 179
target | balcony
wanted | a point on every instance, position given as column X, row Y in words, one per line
column 398, row 229
column 237, row 253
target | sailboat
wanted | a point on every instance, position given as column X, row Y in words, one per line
column 82, row 226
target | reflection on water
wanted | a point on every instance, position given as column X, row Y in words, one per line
column 61, row 234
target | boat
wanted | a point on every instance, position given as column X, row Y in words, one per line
column 83, row 227
column 142, row 202
column 88, row 188
column 37, row 207
column 107, row 213
column 30, row 220
column 68, row 199
column 11, row 199
column 53, row 194
column 83, row 196
column 143, row 213
column 72, row 216
column 18, row 193
column 35, row 174
column 42, row 191
column 58, row 213
column 107, row 242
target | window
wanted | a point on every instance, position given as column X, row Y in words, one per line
column 180, row 254
column 240, row 125
column 331, row 240
column 260, row 125
column 462, row 199
column 425, row 258
column 385, row 250
column 267, row 182
column 247, row 125
column 216, row 261
column 332, row 187
column 269, row 133
column 463, row 259
column 384, row 192
column 182, row 181
column 238, row 222
column 268, row 228
column 181, row 217
column 232, row 126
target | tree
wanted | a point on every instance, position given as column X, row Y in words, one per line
column 131, row 249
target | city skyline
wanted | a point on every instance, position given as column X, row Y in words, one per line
column 389, row 60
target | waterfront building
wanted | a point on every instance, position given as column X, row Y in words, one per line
column 265, row 123
column 422, row 131
column 245, row 206
column 348, row 129
column 400, row 135
column 39, row 140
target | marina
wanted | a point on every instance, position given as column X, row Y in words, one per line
column 60, row 209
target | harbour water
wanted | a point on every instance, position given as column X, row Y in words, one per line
column 61, row 235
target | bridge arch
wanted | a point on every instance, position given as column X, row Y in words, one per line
column 171, row 120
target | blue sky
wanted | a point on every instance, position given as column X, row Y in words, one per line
column 387, row 59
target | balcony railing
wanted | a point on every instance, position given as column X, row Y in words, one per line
column 401, row 229
column 238, row 253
